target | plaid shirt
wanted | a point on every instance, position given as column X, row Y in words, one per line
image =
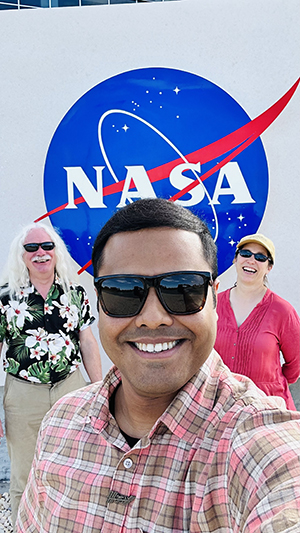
column 222, row 457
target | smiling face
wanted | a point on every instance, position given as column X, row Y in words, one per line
column 156, row 352
column 40, row 264
column 250, row 271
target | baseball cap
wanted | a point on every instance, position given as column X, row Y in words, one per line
column 259, row 238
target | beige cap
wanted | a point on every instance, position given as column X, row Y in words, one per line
column 259, row 238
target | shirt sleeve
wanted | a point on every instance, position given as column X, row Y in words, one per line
column 86, row 317
column 265, row 479
column 290, row 345
column 3, row 324
column 2, row 328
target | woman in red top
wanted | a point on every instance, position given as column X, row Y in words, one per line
column 255, row 324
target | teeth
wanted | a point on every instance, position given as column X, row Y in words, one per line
column 159, row 347
column 42, row 259
column 249, row 269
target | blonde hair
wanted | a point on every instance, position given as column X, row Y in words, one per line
column 15, row 273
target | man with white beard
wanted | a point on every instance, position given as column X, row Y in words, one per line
column 45, row 321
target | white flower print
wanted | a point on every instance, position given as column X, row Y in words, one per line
column 85, row 305
column 54, row 357
column 24, row 291
column 70, row 312
column 68, row 344
column 18, row 311
column 38, row 339
column 24, row 374
column 69, row 326
column 35, row 353
column 48, row 308
column 28, row 321
column 55, row 345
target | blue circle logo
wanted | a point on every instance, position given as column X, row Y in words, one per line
column 156, row 132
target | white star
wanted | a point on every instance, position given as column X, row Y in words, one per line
column 241, row 217
column 125, row 128
column 176, row 90
column 232, row 242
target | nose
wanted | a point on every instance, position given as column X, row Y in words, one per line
column 40, row 251
column 153, row 313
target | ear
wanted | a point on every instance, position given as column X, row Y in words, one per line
column 215, row 289
column 216, row 285
column 270, row 267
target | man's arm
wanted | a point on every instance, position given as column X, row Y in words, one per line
column 90, row 354
column 264, row 484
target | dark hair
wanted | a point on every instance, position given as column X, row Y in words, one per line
column 155, row 213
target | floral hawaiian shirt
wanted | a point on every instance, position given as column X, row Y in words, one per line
column 42, row 336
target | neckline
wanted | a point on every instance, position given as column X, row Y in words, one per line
column 259, row 304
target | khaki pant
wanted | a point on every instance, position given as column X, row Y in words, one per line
column 25, row 405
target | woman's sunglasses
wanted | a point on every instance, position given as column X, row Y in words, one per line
column 180, row 293
column 258, row 257
column 34, row 246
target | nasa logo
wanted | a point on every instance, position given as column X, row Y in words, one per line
column 156, row 132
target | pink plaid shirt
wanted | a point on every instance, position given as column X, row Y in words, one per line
column 223, row 457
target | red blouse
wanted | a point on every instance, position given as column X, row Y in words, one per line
column 253, row 349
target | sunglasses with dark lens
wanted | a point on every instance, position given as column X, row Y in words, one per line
column 34, row 246
column 258, row 257
column 180, row 293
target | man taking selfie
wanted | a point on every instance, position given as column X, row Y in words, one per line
column 171, row 441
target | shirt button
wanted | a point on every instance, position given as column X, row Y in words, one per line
column 128, row 463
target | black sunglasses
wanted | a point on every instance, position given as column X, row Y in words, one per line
column 258, row 257
column 34, row 246
column 180, row 293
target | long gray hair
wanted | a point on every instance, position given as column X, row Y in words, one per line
column 16, row 274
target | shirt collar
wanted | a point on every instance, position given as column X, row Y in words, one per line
column 30, row 287
column 186, row 414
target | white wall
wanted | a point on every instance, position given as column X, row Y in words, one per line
column 50, row 58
